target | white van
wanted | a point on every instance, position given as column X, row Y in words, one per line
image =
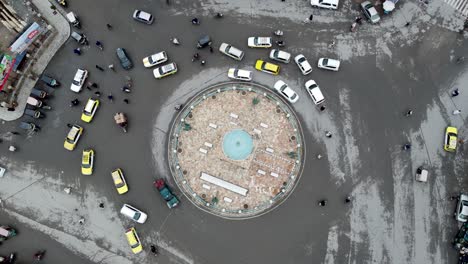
column 133, row 213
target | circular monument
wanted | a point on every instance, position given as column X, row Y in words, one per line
column 236, row 150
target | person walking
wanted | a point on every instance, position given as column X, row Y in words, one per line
column 109, row 26
column 77, row 51
column 99, row 68
column 456, row 112
column 203, row 63
column 97, row 93
column 110, row 97
column 348, row 199
column 101, row 205
column 322, row 203
column 126, row 89
column 211, row 49
column 409, row 112
column 328, row 134
column 126, row 101
column 311, row 17
column 111, row 67
column 74, row 102
column 455, row 92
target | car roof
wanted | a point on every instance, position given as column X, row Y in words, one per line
column 317, row 94
column 73, row 131
column 289, row 92
column 79, row 73
column 271, row 66
column 144, row 15
column 168, row 67
column 159, row 55
column 89, row 105
column 263, row 40
column 332, row 62
column 235, row 51
column 332, row 2
column 243, row 73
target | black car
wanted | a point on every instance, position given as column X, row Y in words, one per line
column 49, row 81
column 124, row 59
column 204, row 41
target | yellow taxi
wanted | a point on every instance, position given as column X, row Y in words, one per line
column 267, row 67
column 72, row 137
column 89, row 110
column 450, row 142
column 87, row 162
column 119, row 181
column 133, row 240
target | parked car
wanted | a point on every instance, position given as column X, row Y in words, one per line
column 143, row 17
column 231, row 51
column 259, row 42
column 279, row 55
column 450, row 141
column 267, row 67
column 329, row 4
column 314, row 91
column 303, row 64
column 90, row 110
column 204, row 41
column 80, row 38
column 166, row 194
column 119, row 181
column 29, row 126
column 2, row 172
column 133, row 213
column 87, row 162
column 370, row 12
column 283, row 89
column 124, row 59
column 50, row 81
column 34, row 102
column 78, row 80
column 155, row 59
column 238, row 74
column 165, row 70
column 72, row 137
column 39, row 93
column 133, row 240
column 329, row 64
column 462, row 208
column 33, row 113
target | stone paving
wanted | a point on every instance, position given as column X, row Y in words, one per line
column 273, row 164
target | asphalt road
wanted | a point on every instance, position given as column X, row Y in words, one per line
column 385, row 70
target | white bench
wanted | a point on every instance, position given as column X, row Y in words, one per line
column 269, row 150
column 257, row 131
column 227, row 200
column 274, row 174
column 261, row 172
column 263, row 125
column 233, row 115
column 224, row 184
column 214, row 126
column 207, row 144
column 202, row 150
column 206, row 186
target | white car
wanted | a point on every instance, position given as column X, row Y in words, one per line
column 259, row 42
column 165, row 70
column 78, row 80
column 314, row 91
column 288, row 93
column 303, row 64
column 329, row 4
column 239, row 74
column 329, row 64
column 462, row 208
column 2, row 172
column 155, row 59
column 231, row 51
column 279, row 55
column 370, row 12
column 133, row 213
column 143, row 16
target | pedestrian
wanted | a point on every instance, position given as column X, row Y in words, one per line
column 202, row 63
column 101, row 205
column 89, row 88
column 322, row 202
column 456, row 112
column 322, row 108
column 109, row 26
column 407, row 24
column 195, row 56
column 111, row 66
column 319, row 156
column 81, row 221
column 407, row 146
column 126, row 89
column 347, row 199
column 168, row 2
column 332, row 44
column 74, row 102
column 67, row 190
column 455, row 92
column 409, row 112
column 99, row 68
column 211, row 49
column 93, row 84
column 69, row 125
column 77, row 51
column 126, row 101
column 14, row 133
column 97, row 93
column 311, row 17
column 110, row 97
column 328, row 134
column 282, row 0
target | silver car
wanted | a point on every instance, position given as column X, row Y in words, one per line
column 462, row 208
column 143, row 17
column 370, row 12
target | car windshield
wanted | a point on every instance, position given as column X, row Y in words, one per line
column 302, row 59
column 75, row 82
column 325, row 62
column 136, row 216
column 86, row 161
column 166, row 68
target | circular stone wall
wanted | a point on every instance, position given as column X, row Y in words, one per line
column 236, row 150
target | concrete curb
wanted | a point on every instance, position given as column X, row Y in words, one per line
column 61, row 31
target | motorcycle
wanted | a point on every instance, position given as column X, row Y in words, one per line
column 99, row 45
column 121, row 120
column 62, row 3
column 73, row 19
column 278, row 33
column 219, row 15
column 175, row 41
column 195, row 21
column 280, row 43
